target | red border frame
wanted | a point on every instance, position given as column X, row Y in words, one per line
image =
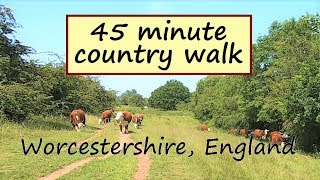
column 159, row 15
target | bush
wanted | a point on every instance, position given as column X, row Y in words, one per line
column 167, row 97
column 19, row 101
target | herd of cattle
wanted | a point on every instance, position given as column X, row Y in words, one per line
column 276, row 137
column 78, row 119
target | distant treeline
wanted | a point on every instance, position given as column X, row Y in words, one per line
column 27, row 88
column 284, row 91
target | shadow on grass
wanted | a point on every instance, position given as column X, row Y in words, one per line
column 48, row 123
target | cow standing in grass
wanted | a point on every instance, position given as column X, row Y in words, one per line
column 123, row 119
column 204, row 127
column 260, row 134
column 277, row 137
column 141, row 118
column 106, row 116
column 78, row 119
column 137, row 119
column 234, row 131
column 244, row 132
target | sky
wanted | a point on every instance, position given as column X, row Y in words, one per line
column 43, row 26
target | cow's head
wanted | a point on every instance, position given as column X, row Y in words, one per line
column 284, row 137
column 119, row 117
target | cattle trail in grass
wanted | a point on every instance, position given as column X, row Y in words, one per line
column 65, row 170
column 98, row 131
column 144, row 160
column 143, row 165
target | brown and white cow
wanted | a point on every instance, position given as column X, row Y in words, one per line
column 244, row 132
column 141, row 116
column 204, row 127
column 277, row 137
column 234, row 131
column 78, row 119
column 106, row 116
column 137, row 119
column 260, row 134
column 123, row 119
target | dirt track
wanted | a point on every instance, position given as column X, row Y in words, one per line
column 144, row 160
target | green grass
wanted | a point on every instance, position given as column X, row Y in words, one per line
column 175, row 126
column 15, row 165
column 117, row 166
column 114, row 167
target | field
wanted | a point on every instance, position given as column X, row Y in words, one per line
column 174, row 126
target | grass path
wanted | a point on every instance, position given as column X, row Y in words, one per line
column 143, row 163
column 96, row 133
column 99, row 131
column 62, row 171
column 15, row 165
column 65, row 170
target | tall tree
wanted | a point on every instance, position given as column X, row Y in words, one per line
column 28, row 89
column 132, row 98
column 168, row 96
column 283, row 92
column 12, row 67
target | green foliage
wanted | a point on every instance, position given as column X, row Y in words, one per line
column 283, row 92
column 183, row 106
column 28, row 89
column 293, row 79
column 216, row 99
column 18, row 101
column 12, row 66
column 132, row 98
column 167, row 97
column 52, row 92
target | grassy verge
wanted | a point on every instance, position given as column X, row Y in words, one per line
column 15, row 165
column 181, row 127
column 114, row 167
